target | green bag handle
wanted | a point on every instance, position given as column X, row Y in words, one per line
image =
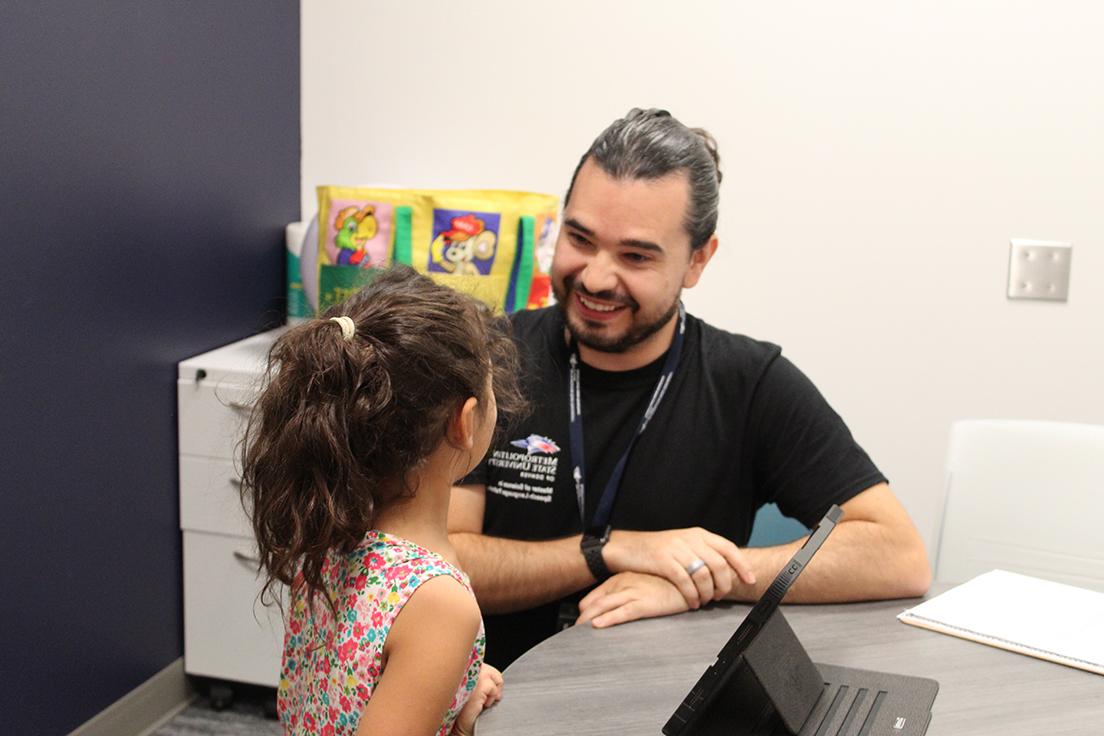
column 527, row 247
column 404, row 228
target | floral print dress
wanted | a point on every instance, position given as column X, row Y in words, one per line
column 331, row 667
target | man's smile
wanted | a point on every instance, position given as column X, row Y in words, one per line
column 594, row 310
column 597, row 306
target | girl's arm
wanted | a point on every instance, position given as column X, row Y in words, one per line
column 425, row 657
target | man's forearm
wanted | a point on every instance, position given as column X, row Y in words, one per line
column 512, row 575
column 860, row 560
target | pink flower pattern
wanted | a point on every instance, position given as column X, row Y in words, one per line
column 331, row 665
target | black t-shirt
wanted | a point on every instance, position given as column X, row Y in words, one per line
column 739, row 427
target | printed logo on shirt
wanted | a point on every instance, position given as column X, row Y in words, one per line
column 527, row 476
column 534, row 444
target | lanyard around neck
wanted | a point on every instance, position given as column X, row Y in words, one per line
column 575, row 402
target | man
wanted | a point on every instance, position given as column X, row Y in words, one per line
column 655, row 437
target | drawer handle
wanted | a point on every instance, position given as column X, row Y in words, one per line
column 236, row 482
column 240, row 406
column 248, row 558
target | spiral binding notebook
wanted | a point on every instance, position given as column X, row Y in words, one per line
column 1052, row 621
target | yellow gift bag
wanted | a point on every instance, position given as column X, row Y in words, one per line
column 491, row 244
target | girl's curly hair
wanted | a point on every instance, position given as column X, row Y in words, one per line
column 341, row 423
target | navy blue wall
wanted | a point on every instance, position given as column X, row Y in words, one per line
column 149, row 157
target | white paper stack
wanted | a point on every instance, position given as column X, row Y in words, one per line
column 1052, row 621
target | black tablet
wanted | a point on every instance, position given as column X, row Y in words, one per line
column 721, row 671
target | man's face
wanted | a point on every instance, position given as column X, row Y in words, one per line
column 623, row 257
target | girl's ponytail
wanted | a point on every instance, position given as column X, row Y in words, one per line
column 354, row 402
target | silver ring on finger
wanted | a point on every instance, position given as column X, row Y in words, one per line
column 694, row 566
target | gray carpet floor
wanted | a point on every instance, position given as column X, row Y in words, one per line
column 246, row 717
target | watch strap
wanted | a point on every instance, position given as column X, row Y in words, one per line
column 592, row 545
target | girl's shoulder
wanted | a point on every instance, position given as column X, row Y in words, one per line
column 399, row 560
column 442, row 603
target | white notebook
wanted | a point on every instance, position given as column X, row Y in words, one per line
column 1040, row 618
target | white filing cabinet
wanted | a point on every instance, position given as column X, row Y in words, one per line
column 228, row 634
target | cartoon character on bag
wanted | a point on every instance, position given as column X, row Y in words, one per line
column 355, row 227
column 456, row 249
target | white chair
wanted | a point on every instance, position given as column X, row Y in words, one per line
column 1027, row 497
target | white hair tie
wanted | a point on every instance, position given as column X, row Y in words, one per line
column 348, row 327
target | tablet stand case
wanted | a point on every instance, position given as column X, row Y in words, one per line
column 778, row 691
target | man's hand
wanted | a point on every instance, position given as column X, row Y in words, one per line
column 487, row 692
column 668, row 553
column 628, row 596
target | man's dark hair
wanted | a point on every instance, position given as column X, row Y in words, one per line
column 650, row 144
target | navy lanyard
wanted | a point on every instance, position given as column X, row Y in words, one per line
column 575, row 402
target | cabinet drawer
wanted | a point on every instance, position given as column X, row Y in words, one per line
column 227, row 632
column 210, row 496
column 212, row 417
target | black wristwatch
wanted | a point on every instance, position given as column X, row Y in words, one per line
column 593, row 542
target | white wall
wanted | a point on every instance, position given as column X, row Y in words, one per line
column 877, row 158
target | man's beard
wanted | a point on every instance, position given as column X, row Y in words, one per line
column 594, row 338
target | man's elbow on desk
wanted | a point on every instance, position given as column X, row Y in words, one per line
column 887, row 550
column 855, row 569
column 913, row 571
column 875, row 553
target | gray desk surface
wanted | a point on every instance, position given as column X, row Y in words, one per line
column 630, row 678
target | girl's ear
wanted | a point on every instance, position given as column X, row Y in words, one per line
column 462, row 426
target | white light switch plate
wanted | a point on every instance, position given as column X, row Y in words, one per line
column 1039, row 269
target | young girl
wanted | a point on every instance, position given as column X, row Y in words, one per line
column 368, row 417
